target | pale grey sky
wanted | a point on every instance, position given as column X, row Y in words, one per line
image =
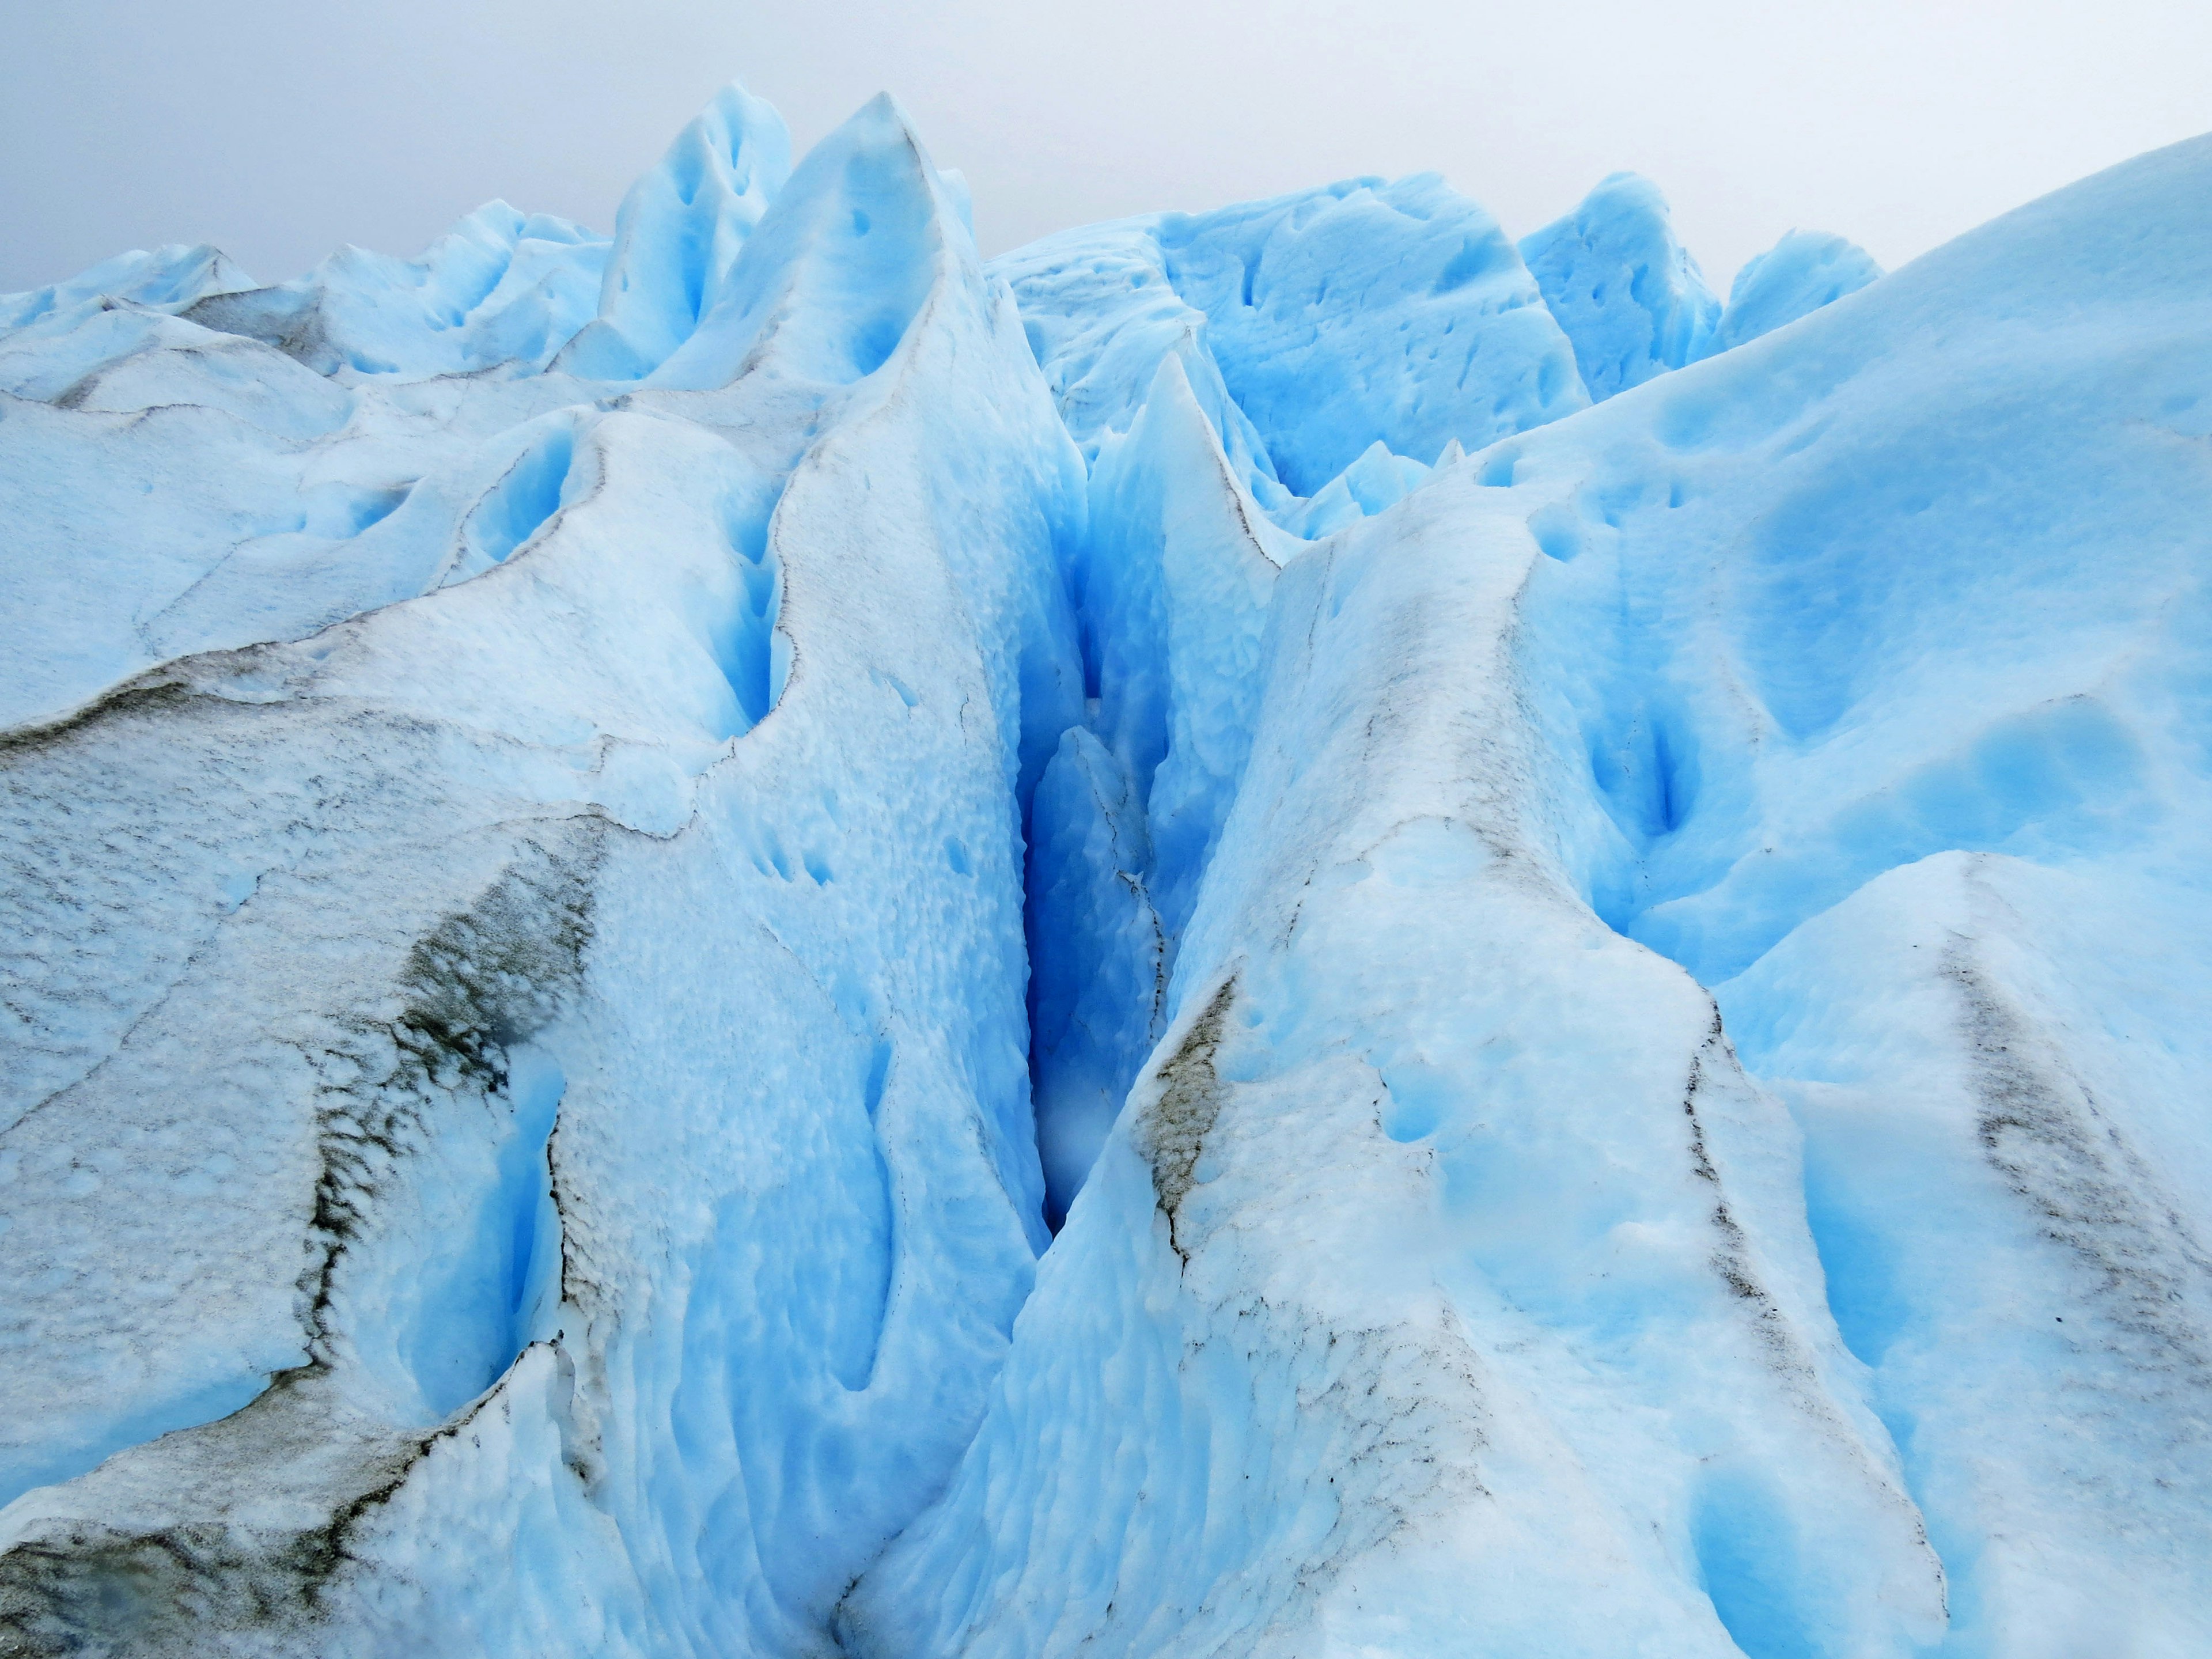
column 280, row 129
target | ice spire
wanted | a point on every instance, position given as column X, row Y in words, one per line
column 679, row 233
column 1628, row 295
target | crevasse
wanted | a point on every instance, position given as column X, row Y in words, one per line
column 1281, row 932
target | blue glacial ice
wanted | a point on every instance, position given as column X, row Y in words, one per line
column 678, row 236
column 1279, row 932
column 1803, row 271
column 1626, row 292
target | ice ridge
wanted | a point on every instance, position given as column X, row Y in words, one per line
column 1280, row 932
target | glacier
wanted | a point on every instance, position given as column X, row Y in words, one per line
column 1288, row 931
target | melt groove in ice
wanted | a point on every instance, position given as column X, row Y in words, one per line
column 1280, row 932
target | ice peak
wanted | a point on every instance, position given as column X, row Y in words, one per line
column 1627, row 293
column 829, row 278
column 678, row 234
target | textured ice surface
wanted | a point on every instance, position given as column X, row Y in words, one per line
column 1277, row 932
column 678, row 234
column 1446, row 1285
column 1628, row 295
column 500, row 290
column 1803, row 271
column 1327, row 322
column 551, row 1038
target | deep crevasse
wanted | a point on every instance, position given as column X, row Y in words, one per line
column 1653, row 950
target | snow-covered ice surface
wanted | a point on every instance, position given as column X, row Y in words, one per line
column 1274, row 932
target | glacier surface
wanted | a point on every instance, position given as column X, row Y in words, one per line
column 1283, row 932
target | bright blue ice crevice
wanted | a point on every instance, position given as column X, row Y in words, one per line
column 1098, row 963
column 1171, row 580
column 1803, row 271
column 1217, row 562
column 754, row 663
column 1248, row 304
column 502, row 289
column 445, row 1330
column 524, row 500
column 1628, row 295
column 678, row 234
column 1172, row 589
column 1748, row 1561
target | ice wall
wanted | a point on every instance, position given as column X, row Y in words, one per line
column 1311, row 327
column 533, row 1070
column 1173, row 585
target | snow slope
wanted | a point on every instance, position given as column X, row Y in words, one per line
column 1274, row 932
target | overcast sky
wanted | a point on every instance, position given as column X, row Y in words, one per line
column 281, row 129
